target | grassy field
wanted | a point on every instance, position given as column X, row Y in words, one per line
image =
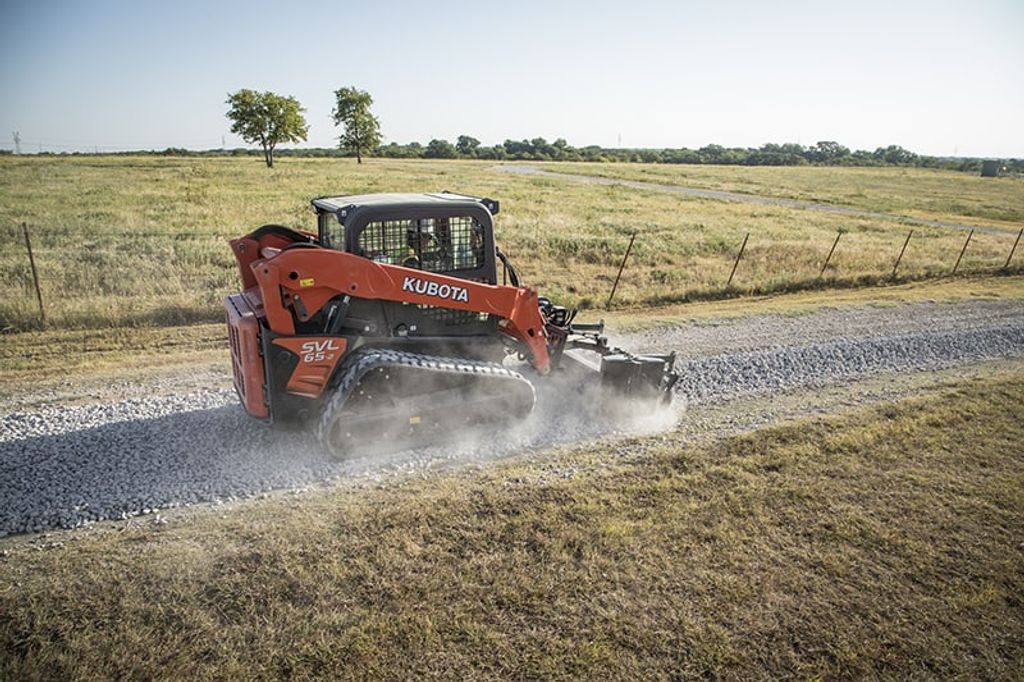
column 140, row 241
column 885, row 543
column 917, row 192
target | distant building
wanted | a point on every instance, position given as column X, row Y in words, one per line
column 989, row 169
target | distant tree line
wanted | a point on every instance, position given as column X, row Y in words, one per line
column 538, row 149
column 361, row 137
column 825, row 153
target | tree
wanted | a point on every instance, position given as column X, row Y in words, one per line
column 827, row 152
column 467, row 146
column 440, row 149
column 497, row 152
column 267, row 118
column 361, row 128
column 895, row 155
column 711, row 153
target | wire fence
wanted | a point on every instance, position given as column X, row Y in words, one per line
column 115, row 277
column 1006, row 266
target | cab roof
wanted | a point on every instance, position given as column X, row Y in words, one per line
column 345, row 206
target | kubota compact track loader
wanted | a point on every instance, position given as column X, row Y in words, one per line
column 389, row 325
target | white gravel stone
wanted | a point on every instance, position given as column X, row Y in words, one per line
column 64, row 467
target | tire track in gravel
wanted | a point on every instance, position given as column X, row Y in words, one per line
column 65, row 467
column 721, row 195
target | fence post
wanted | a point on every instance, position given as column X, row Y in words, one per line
column 1014, row 248
column 902, row 251
column 962, row 251
column 621, row 266
column 830, row 252
column 35, row 274
column 738, row 256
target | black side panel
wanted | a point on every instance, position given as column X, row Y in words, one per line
column 279, row 364
column 364, row 317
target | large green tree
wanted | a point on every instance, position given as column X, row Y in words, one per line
column 828, row 152
column 361, row 129
column 468, row 146
column 267, row 118
column 895, row 155
column 440, row 149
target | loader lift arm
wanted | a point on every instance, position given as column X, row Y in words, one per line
column 298, row 280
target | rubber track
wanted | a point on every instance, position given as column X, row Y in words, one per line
column 362, row 361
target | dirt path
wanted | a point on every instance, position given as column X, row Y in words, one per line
column 746, row 198
column 172, row 445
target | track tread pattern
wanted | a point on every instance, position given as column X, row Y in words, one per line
column 365, row 360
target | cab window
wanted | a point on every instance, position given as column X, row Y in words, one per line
column 432, row 244
column 331, row 231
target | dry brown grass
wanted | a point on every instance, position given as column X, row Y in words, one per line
column 884, row 543
column 32, row 360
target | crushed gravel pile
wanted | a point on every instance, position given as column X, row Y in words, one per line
column 65, row 467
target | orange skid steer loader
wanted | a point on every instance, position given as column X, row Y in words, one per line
column 388, row 326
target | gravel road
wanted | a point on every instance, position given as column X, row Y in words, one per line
column 69, row 466
column 720, row 195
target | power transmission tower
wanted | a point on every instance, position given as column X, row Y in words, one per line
column 17, row 142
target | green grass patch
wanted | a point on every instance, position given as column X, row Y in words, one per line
column 883, row 543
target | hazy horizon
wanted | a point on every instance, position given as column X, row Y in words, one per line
column 942, row 78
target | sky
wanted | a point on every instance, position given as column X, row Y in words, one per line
column 944, row 77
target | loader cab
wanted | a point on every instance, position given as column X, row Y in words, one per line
column 446, row 233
